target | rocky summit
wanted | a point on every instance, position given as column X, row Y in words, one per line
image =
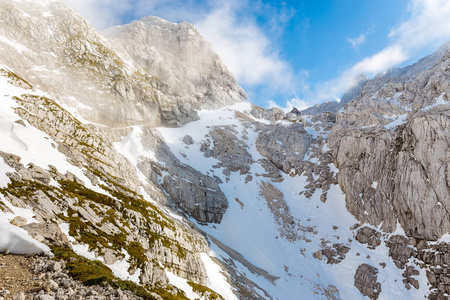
column 132, row 166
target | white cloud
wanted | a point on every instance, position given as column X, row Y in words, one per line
column 290, row 104
column 230, row 26
column 101, row 13
column 245, row 49
column 428, row 25
column 429, row 22
column 358, row 40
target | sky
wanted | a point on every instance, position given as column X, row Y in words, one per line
column 296, row 53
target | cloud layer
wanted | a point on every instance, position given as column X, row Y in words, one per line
column 250, row 51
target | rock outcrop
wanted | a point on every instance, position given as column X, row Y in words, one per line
column 366, row 281
column 334, row 106
column 194, row 193
column 284, row 146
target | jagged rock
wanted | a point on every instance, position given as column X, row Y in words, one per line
column 229, row 149
column 366, row 281
column 409, row 280
column 272, row 171
column 336, row 253
column 18, row 221
column 50, row 285
column 294, row 115
column 153, row 275
column 283, row 145
column 188, row 140
column 391, row 149
column 49, row 233
column 318, row 254
column 435, row 257
column 334, row 106
column 369, row 236
column 273, row 114
column 400, row 250
column 289, row 227
column 329, row 106
column 193, row 192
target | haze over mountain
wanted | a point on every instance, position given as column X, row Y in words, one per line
column 133, row 158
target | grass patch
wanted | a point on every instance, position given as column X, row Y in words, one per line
column 204, row 291
column 91, row 272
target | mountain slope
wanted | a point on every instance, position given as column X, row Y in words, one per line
column 109, row 163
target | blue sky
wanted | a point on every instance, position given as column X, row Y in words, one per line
column 296, row 53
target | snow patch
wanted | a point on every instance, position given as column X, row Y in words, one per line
column 399, row 120
column 17, row 241
column 216, row 280
column 182, row 284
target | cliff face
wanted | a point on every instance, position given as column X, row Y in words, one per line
column 179, row 56
column 391, row 146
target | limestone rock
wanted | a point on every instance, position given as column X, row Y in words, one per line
column 400, row 250
column 187, row 139
column 229, row 149
column 284, row 146
column 18, row 221
column 366, row 281
column 273, row 114
column 178, row 55
column 50, row 285
column 391, row 147
column 318, row 254
column 369, row 236
column 49, row 232
column 194, row 193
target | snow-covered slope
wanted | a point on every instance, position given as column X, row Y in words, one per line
column 276, row 228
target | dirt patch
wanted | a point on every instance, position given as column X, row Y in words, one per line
column 16, row 275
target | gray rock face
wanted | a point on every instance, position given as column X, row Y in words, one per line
column 188, row 140
column 366, row 281
column 179, row 56
column 400, row 250
column 354, row 91
column 284, row 146
column 18, row 221
column 194, row 193
column 78, row 67
column 329, row 106
column 435, row 257
column 369, row 236
column 391, row 146
column 273, row 114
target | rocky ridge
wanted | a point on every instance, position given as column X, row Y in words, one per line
column 391, row 147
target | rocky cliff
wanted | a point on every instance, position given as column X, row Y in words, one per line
column 179, row 56
column 391, row 146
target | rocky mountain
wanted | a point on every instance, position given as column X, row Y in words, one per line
column 133, row 160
